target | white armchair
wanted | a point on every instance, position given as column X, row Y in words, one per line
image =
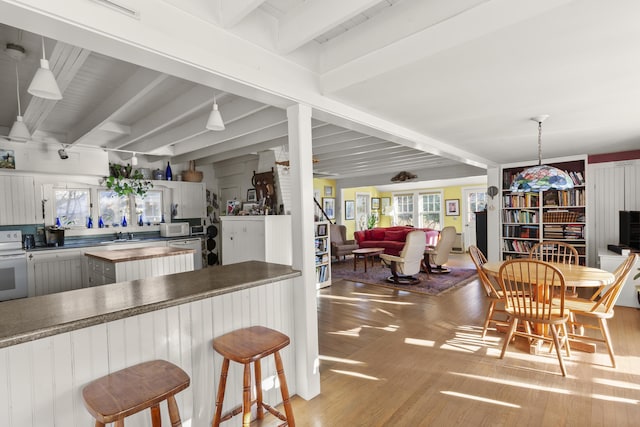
column 405, row 265
column 439, row 254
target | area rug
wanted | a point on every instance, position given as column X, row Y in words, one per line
column 433, row 284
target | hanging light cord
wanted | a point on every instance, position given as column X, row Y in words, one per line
column 539, row 143
column 43, row 54
column 18, row 91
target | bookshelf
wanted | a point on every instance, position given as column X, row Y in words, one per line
column 323, row 254
column 529, row 218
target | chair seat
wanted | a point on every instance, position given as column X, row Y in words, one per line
column 584, row 306
column 250, row 344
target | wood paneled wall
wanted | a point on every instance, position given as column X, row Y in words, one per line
column 41, row 381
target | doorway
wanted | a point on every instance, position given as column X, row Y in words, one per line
column 473, row 200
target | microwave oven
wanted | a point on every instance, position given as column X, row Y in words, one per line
column 174, row 229
column 197, row 230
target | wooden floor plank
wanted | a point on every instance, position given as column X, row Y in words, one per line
column 394, row 358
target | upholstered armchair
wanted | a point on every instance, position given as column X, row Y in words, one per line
column 405, row 265
column 340, row 246
column 439, row 255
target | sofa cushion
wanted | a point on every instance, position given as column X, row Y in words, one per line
column 377, row 234
column 398, row 236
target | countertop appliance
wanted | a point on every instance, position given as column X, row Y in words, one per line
column 13, row 266
column 191, row 243
column 197, row 230
column 174, row 229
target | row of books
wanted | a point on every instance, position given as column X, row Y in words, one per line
column 520, row 217
column 521, row 231
column 517, row 245
column 577, row 177
column 321, row 245
column 558, row 232
column 322, row 273
column 525, row 200
column 510, row 175
column 574, row 197
column 322, row 258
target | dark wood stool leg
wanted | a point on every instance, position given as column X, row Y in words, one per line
column 246, row 396
column 174, row 412
column 258, row 376
column 284, row 390
column 221, row 388
column 155, row 416
column 99, row 424
column 119, row 423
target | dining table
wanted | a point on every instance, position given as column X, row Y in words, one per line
column 576, row 275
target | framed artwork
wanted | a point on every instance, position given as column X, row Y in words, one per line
column 252, row 196
column 349, row 209
column 385, row 204
column 7, row 159
column 329, row 206
column 233, row 207
column 375, row 203
column 322, row 230
column 328, row 191
column 452, row 207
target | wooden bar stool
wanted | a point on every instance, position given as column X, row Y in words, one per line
column 115, row 396
column 246, row 346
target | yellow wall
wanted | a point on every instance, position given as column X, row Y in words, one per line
column 453, row 193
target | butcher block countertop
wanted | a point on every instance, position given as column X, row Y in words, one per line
column 122, row 255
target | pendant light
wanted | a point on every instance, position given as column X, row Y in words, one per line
column 44, row 83
column 215, row 118
column 541, row 177
column 19, row 131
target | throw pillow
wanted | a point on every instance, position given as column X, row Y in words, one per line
column 396, row 236
column 377, row 234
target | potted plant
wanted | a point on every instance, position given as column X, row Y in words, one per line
column 123, row 182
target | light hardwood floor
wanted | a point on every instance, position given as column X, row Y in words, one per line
column 394, row 358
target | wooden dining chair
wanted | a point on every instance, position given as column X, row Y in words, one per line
column 532, row 288
column 554, row 251
column 599, row 309
column 493, row 291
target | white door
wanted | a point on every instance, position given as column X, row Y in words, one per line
column 473, row 200
column 362, row 210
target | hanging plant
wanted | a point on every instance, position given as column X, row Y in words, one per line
column 124, row 183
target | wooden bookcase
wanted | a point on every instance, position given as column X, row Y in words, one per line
column 529, row 218
column 323, row 254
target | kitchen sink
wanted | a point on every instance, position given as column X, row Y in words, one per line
column 120, row 241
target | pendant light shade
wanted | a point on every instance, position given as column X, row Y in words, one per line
column 44, row 83
column 215, row 121
column 19, row 131
column 541, row 177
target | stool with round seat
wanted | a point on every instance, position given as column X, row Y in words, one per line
column 112, row 398
column 245, row 346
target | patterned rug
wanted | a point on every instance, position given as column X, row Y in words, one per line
column 433, row 284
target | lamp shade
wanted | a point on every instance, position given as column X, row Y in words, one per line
column 19, row 131
column 541, row 178
column 215, row 121
column 44, row 83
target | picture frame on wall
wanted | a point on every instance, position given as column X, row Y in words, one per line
column 375, row 203
column 349, row 209
column 328, row 191
column 452, row 207
column 252, row 196
column 385, row 205
column 329, row 207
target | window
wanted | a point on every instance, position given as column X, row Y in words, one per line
column 476, row 201
column 114, row 209
column 72, row 206
column 150, row 207
column 430, row 211
column 403, row 211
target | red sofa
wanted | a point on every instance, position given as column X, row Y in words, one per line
column 391, row 238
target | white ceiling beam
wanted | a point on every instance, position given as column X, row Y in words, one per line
column 315, row 17
column 357, row 146
column 235, row 110
column 141, row 83
column 65, row 61
column 168, row 115
column 257, row 122
column 476, row 22
column 239, row 152
column 338, row 138
column 327, row 130
column 234, row 11
column 397, row 153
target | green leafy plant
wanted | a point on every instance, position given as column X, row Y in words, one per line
column 124, row 183
column 371, row 221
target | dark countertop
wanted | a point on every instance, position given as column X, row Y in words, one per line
column 28, row 319
column 75, row 243
column 124, row 254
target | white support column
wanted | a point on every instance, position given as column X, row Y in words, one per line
column 304, row 294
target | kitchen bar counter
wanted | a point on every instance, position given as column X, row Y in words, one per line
column 30, row 319
column 123, row 255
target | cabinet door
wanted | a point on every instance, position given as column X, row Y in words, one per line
column 242, row 241
column 190, row 197
column 17, row 200
column 54, row 271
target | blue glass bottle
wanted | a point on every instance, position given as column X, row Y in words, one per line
column 100, row 223
column 58, row 222
column 124, row 221
column 89, row 222
column 168, row 175
column 140, row 222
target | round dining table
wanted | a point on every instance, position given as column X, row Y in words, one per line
column 574, row 275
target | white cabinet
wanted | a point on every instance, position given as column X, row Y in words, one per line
column 17, row 200
column 190, row 198
column 259, row 238
column 54, row 271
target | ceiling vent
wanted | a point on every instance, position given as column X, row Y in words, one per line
column 120, row 7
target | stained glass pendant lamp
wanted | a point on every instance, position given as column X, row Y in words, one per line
column 541, row 177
